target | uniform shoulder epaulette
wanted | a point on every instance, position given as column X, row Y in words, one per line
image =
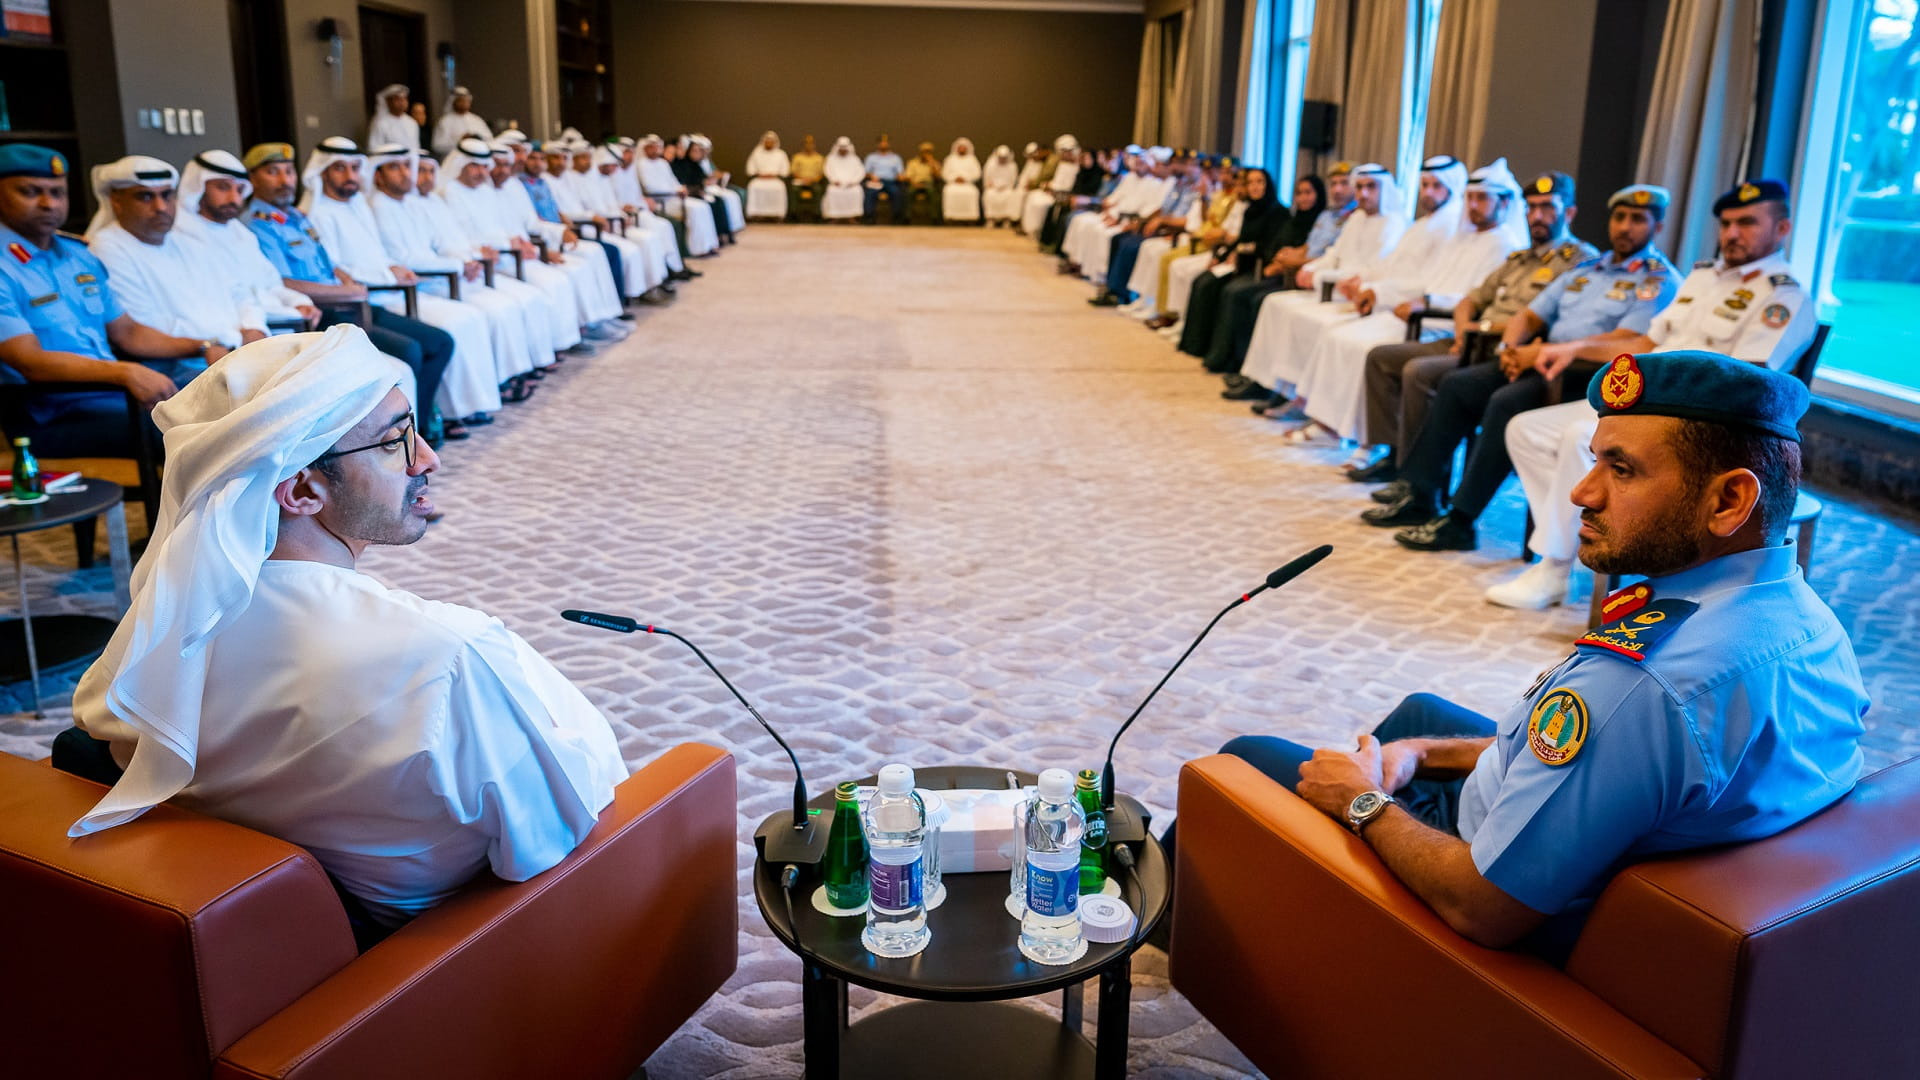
column 1638, row 627
column 1783, row 281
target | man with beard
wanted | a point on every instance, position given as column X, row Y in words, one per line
column 214, row 191
column 163, row 281
column 1720, row 703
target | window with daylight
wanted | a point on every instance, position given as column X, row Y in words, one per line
column 1869, row 260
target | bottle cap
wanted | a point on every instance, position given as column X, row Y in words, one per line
column 1056, row 784
column 21, row 441
column 1105, row 918
column 1086, row 780
column 896, row 780
column 846, row 790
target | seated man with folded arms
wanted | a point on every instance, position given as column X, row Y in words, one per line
column 59, row 321
column 1722, row 703
column 260, row 678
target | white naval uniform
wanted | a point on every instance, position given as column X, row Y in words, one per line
column 1334, row 381
column 410, row 745
column 1755, row 312
column 1362, row 246
column 408, row 238
column 176, row 286
column 353, row 240
column 548, row 311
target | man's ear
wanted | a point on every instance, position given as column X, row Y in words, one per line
column 303, row 494
column 1732, row 497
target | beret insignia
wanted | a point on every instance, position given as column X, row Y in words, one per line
column 1748, row 193
column 1642, row 197
column 1544, row 185
column 1622, row 383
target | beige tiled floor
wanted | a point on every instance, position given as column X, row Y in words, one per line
column 926, row 505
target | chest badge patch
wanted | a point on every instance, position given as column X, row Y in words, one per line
column 1623, row 383
column 1633, row 635
column 1558, row 727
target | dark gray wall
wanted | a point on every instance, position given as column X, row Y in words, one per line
column 734, row 70
column 175, row 55
column 1538, row 93
column 330, row 100
column 494, row 61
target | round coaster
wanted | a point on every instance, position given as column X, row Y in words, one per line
column 1016, row 907
column 1078, row 952
column 1111, row 888
column 825, row 907
column 939, row 897
column 895, row 956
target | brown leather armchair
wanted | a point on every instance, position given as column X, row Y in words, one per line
column 181, row 946
column 1795, row 956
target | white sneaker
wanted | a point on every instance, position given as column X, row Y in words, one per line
column 1536, row 588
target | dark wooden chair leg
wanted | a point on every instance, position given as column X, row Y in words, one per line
column 83, row 536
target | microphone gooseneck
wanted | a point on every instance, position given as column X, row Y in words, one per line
column 1274, row 580
column 624, row 625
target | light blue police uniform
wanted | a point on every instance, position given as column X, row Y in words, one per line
column 59, row 295
column 1723, row 704
column 290, row 242
column 1326, row 229
column 887, row 166
column 1607, row 293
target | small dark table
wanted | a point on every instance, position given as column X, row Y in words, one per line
column 61, row 639
column 958, row 1028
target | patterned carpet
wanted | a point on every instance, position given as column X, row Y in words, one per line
column 928, row 506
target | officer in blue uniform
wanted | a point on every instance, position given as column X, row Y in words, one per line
column 293, row 245
column 1624, row 288
column 1719, row 702
column 59, row 322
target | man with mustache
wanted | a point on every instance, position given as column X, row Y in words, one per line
column 1720, row 703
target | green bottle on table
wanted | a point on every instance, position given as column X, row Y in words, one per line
column 1093, row 842
column 27, row 481
column 845, row 867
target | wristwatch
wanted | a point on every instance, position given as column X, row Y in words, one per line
column 207, row 345
column 1365, row 807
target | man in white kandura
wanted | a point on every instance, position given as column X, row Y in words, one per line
column 260, row 678
column 1000, row 186
column 658, row 182
column 960, row 198
column 845, row 199
column 1065, row 165
column 214, row 190
column 458, row 122
column 1287, row 332
column 767, row 170
column 332, row 197
column 392, row 123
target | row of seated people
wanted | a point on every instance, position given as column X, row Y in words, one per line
column 1477, row 324
column 843, row 186
column 179, row 267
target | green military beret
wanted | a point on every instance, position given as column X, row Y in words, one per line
column 267, row 154
column 1705, row 386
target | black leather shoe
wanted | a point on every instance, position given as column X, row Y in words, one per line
column 1247, row 391
column 1440, row 534
column 1413, row 508
column 1398, row 489
column 1265, row 409
column 1105, row 299
column 1380, row 472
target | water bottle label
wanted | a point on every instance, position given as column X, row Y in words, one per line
column 894, row 886
column 1053, row 892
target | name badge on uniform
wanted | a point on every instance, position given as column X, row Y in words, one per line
column 43, row 301
column 84, row 279
column 1578, row 284
column 295, row 243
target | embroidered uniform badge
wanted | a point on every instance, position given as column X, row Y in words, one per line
column 1558, row 727
column 1622, row 384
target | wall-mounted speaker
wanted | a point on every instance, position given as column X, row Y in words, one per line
column 1319, row 125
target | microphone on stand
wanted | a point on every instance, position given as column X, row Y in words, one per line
column 1126, row 824
column 797, row 837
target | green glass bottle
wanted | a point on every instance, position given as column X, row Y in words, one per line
column 1093, row 842
column 845, row 867
column 27, row 481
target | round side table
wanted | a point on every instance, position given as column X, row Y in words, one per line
column 960, row 1026
column 60, row 639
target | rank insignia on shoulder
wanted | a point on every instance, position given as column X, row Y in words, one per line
column 1512, row 255
column 1558, row 727
column 1568, row 251
column 20, row 253
column 1783, row 281
column 1633, row 636
column 1625, row 602
column 1543, row 275
column 84, row 279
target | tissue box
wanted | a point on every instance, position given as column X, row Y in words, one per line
column 977, row 834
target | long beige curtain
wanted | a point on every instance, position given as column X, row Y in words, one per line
column 1327, row 51
column 1462, row 79
column 1177, row 92
column 1371, row 114
column 1701, row 114
column 1199, row 77
column 1146, row 101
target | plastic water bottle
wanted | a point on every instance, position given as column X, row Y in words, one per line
column 896, row 825
column 1050, row 932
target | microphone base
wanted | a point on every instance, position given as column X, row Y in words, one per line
column 1128, row 820
column 779, row 842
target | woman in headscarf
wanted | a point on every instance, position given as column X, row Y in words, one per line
column 960, row 200
column 1000, row 187
column 921, row 179
column 768, row 169
column 687, row 170
column 1265, row 227
column 845, row 173
column 1212, row 219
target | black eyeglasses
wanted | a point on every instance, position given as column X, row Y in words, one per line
column 404, row 440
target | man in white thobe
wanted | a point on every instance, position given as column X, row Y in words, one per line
column 575, row 191
column 960, row 197
column 846, row 175
column 1065, row 164
column 1000, row 187
column 214, row 190
column 640, row 228
column 1333, row 387
column 624, row 177
column 1288, row 330
column 260, row 678
column 767, row 170
column 332, row 199
column 162, row 281
column 408, row 239
column 524, row 205
column 458, row 122
column 1083, row 249
column 657, row 182
column 392, row 124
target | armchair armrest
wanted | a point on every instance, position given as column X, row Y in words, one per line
column 539, row 244
column 291, row 326
column 519, row 265
column 1283, row 920
column 581, row 227
column 453, row 282
column 593, row 963
column 410, row 293
column 488, row 270
column 1414, row 324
